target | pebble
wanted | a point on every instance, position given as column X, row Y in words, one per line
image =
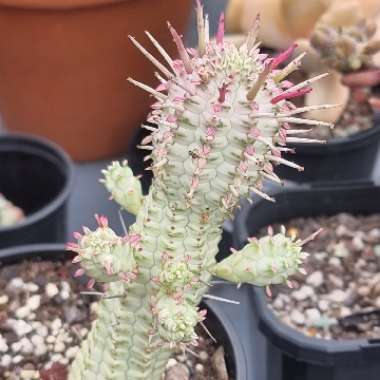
column 50, row 339
column 59, row 347
column 297, row 317
column 178, row 372
column 17, row 359
column 41, row 349
column 337, row 296
column 203, row 356
column 320, row 255
column 311, row 316
column 20, row 327
column 72, row 351
column 4, row 299
column 199, row 368
column 341, row 230
column 315, row 279
column 26, row 346
column 56, row 324
column 357, row 244
column 364, row 291
column 278, row 303
column 16, row 284
column 352, row 297
column 42, row 331
column 182, row 358
column 171, row 362
column 335, row 261
column 361, row 263
column 3, row 344
column 340, row 250
column 66, row 286
column 64, row 295
column 22, row 312
column 374, row 233
column 303, row 293
column 344, row 312
column 83, row 332
column 51, row 290
column 325, row 322
column 323, row 305
column 31, row 287
column 94, row 307
column 29, row 374
column 36, row 324
column 16, row 346
column 336, row 281
column 36, row 339
column 6, row 360
column 34, row 302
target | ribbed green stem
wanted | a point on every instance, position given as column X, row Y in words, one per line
column 119, row 346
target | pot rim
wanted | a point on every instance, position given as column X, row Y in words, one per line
column 57, row 4
column 302, row 347
column 58, row 251
column 68, row 172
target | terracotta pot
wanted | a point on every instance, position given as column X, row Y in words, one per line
column 64, row 64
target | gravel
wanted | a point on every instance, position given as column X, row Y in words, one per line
column 43, row 319
column 339, row 298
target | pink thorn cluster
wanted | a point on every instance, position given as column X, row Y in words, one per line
column 134, row 240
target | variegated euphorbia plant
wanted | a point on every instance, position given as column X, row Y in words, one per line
column 221, row 121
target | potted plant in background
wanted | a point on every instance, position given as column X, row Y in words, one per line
column 327, row 325
column 213, row 144
column 350, row 38
column 36, row 179
column 64, row 64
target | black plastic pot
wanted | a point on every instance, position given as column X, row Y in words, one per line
column 341, row 159
column 230, row 331
column 37, row 176
column 290, row 354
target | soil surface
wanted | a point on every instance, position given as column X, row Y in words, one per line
column 339, row 298
column 43, row 319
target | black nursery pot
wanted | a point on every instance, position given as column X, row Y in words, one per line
column 36, row 176
column 350, row 158
column 292, row 355
column 218, row 320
